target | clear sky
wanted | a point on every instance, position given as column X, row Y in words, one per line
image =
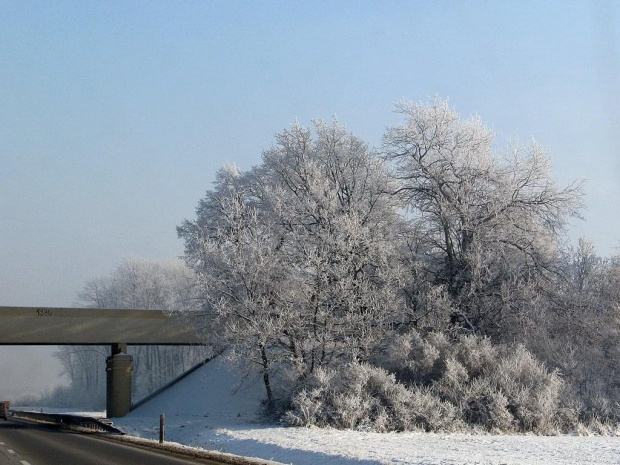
column 114, row 116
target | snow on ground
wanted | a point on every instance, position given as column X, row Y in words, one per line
column 204, row 411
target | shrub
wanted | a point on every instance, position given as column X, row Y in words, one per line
column 491, row 386
column 360, row 396
column 485, row 405
column 532, row 390
column 435, row 383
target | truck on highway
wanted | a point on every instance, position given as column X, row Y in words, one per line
column 4, row 409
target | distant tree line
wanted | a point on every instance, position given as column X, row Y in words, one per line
column 134, row 284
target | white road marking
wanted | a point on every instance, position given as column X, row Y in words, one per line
column 23, row 462
column 2, row 444
column 10, row 451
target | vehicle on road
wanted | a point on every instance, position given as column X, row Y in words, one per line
column 4, row 409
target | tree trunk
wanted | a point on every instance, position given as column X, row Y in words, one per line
column 265, row 360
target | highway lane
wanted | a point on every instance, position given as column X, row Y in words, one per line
column 23, row 444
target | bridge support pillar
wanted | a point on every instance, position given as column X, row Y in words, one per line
column 119, row 366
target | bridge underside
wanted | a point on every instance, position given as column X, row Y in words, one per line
column 90, row 326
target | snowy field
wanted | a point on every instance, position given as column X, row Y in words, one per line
column 203, row 411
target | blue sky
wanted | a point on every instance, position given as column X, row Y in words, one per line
column 114, row 116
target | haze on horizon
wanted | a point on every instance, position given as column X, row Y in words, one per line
column 114, row 117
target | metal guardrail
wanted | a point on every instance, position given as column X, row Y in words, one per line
column 66, row 421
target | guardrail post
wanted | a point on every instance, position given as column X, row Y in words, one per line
column 162, row 428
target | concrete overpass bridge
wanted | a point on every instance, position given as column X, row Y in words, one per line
column 91, row 326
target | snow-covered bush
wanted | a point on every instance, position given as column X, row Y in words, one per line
column 533, row 392
column 434, row 383
column 360, row 396
column 497, row 387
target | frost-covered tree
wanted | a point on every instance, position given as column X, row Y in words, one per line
column 579, row 335
column 298, row 256
column 239, row 269
column 143, row 284
column 320, row 256
column 487, row 224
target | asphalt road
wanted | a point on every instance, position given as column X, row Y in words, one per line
column 24, row 444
